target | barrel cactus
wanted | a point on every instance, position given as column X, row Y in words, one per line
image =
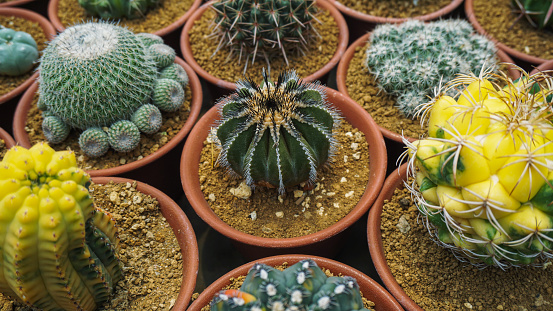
column 302, row 286
column 271, row 28
column 483, row 178
column 116, row 9
column 277, row 134
column 18, row 52
column 58, row 249
column 537, row 12
column 94, row 75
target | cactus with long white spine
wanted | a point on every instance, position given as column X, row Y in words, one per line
column 58, row 249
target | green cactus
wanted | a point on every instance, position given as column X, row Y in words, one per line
column 58, row 250
column 123, row 136
column 163, row 55
column 149, row 38
column 269, row 27
column 54, row 129
column 18, row 52
column 148, row 119
column 537, row 12
column 117, row 9
column 175, row 72
column 277, row 134
column 303, row 286
column 94, row 142
column 168, row 95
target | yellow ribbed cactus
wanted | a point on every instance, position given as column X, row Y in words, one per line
column 57, row 251
column 483, row 177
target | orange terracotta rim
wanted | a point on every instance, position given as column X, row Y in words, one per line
column 14, row 3
column 343, row 37
column 53, row 16
column 24, row 106
column 393, row 20
column 48, row 30
column 182, row 228
column 370, row 288
column 469, row 11
column 6, row 137
column 342, row 72
column 351, row 111
column 548, row 65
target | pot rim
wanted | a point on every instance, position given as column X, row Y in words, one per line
column 56, row 21
column 358, row 117
column 545, row 66
column 342, row 72
column 469, row 10
column 24, row 105
column 183, row 231
column 343, row 37
column 48, row 30
column 366, row 284
column 7, row 138
column 14, row 3
column 393, row 20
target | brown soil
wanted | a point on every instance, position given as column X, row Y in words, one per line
column 172, row 124
column 264, row 213
column 395, row 8
column 220, row 65
column 168, row 11
column 236, row 283
column 496, row 17
column 8, row 83
column 363, row 88
column 436, row 280
column 148, row 250
column 3, row 148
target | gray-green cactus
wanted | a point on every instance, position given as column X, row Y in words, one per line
column 168, row 95
column 94, row 142
column 175, row 72
column 54, row 129
column 277, row 134
column 116, row 9
column 18, row 52
column 303, row 286
column 148, row 119
column 123, row 136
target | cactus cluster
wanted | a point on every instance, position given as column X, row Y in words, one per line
column 18, row 52
column 537, row 12
column 58, row 249
column 483, row 178
column 302, row 286
column 277, row 134
column 117, row 9
column 411, row 59
column 271, row 28
column 99, row 75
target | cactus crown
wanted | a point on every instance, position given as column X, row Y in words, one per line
column 116, row 9
column 277, row 134
column 18, row 52
column 411, row 59
column 303, row 286
column 537, row 12
column 271, row 28
column 483, row 179
column 58, row 249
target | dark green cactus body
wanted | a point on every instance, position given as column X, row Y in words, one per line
column 58, row 250
column 18, row 52
column 301, row 287
column 539, row 13
column 277, row 134
column 116, row 9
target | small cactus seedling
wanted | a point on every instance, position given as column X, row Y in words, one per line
column 116, row 9
column 303, row 286
column 58, row 249
column 537, row 12
column 18, row 52
column 277, row 134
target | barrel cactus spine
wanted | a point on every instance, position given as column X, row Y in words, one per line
column 18, row 52
column 49, row 221
column 116, row 9
column 277, row 134
column 538, row 13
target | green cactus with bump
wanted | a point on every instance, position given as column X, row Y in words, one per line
column 303, row 286
column 18, row 52
column 58, row 250
column 538, row 13
column 117, row 9
column 277, row 134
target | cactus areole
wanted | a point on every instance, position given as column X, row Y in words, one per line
column 277, row 134
column 58, row 250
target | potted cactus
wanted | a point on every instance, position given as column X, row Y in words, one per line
column 481, row 182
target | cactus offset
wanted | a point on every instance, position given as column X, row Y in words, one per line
column 277, row 134
column 116, row 9
column 483, row 178
column 18, row 52
column 58, row 249
column 537, row 12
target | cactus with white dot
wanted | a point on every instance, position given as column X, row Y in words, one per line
column 411, row 59
column 96, row 74
column 18, row 52
column 277, row 134
column 302, row 286
column 116, row 9
column 58, row 250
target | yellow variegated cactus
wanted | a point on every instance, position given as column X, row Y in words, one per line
column 483, row 177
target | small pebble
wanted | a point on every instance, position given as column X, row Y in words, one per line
column 349, row 194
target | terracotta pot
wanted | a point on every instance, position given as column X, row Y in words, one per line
column 159, row 168
column 8, row 140
column 48, row 29
column 326, row 242
column 341, row 75
column 53, row 16
column 182, row 228
column 469, row 11
column 14, row 3
column 228, row 85
column 548, row 65
column 370, row 289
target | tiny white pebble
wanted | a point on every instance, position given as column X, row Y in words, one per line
column 280, row 199
column 343, row 179
column 139, row 157
column 279, row 214
column 212, row 197
column 354, row 146
column 330, row 194
column 336, row 204
column 122, row 161
column 298, row 193
column 345, row 158
column 136, row 199
column 357, row 155
column 319, row 204
column 349, row 194
column 468, row 305
column 349, row 134
column 253, row 215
